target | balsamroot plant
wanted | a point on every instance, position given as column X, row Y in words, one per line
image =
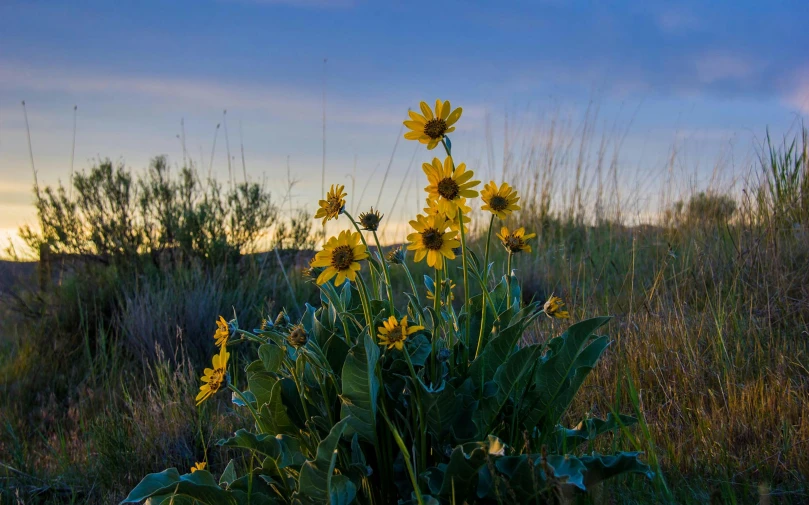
column 363, row 401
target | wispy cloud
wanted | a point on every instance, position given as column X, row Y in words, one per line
column 798, row 93
column 719, row 65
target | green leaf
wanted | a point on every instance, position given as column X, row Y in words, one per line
column 199, row 486
column 361, row 389
column 461, row 473
column 283, row 449
column 271, row 356
column 600, row 468
column 558, row 371
column 343, row 491
column 508, row 378
column 419, row 348
column 441, row 407
column 229, row 475
column 274, row 415
column 566, row 440
column 261, row 384
column 315, row 480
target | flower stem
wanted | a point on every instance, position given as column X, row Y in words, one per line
column 508, row 278
column 419, row 410
column 467, row 326
column 366, row 307
column 402, row 447
column 388, row 285
column 415, row 291
column 485, row 291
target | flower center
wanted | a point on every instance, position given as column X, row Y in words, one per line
column 498, row 203
column 396, row 334
column 335, row 205
column 342, row 257
column 432, row 239
column 217, row 377
column 514, row 244
column 448, row 188
column 435, row 128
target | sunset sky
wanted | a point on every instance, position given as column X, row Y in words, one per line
column 708, row 77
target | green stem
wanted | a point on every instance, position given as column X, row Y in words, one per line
column 508, row 278
column 419, row 410
column 402, row 447
column 366, row 307
column 415, row 292
column 362, row 237
column 388, row 285
column 467, row 325
column 485, row 292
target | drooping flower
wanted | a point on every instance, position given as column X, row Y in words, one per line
column 333, row 205
column 214, row 378
column 393, row 333
column 430, row 127
column 553, row 308
column 199, row 466
column 222, row 332
column 448, row 187
column 516, row 241
column 370, row 220
column 432, row 240
column 500, row 201
column 396, row 256
column 298, row 336
column 341, row 256
column 444, row 282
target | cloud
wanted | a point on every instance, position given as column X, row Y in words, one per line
column 678, row 21
column 279, row 101
column 717, row 66
column 798, row 94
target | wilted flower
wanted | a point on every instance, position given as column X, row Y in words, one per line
column 370, row 220
column 282, row 318
column 298, row 336
column 553, row 308
column 396, row 256
column 428, row 127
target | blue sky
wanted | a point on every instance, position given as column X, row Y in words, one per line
column 705, row 78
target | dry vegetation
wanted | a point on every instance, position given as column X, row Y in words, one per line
column 711, row 339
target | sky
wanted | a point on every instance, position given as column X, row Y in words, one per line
column 700, row 79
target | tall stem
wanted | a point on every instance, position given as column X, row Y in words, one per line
column 485, row 292
column 366, row 307
column 467, row 326
column 508, row 278
column 436, row 326
column 415, row 291
column 388, row 285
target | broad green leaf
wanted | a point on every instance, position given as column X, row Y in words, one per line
column 419, row 348
column 441, row 407
column 461, row 473
column 281, row 448
column 600, row 468
column 566, row 440
column 274, row 415
column 361, row 389
column 557, row 371
column 314, row 482
column 229, row 475
column 271, row 356
column 343, row 491
column 199, row 486
column 261, row 384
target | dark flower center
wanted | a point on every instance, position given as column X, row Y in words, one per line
column 435, row 128
column 514, row 244
column 342, row 257
column 498, row 203
column 217, row 377
column 448, row 188
column 396, row 334
column 432, row 239
column 370, row 220
column 298, row 337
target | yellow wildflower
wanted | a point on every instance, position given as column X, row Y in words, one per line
column 341, row 256
column 500, row 201
column 199, row 466
column 333, row 205
column 214, row 378
column 432, row 240
column 393, row 333
column 516, row 241
column 431, row 295
column 222, row 332
column 430, row 127
column 553, row 308
column 447, row 187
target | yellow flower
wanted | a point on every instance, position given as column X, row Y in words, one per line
column 331, row 207
column 433, row 208
column 515, row 241
column 499, row 201
column 447, row 187
column 432, row 240
column 222, row 332
column 199, row 466
column 393, row 333
column 341, row 256
column 431, row 295
column 553, row 308
column 428, row 127
column 214, row 378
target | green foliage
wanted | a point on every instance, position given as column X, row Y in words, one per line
column 357, row 423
